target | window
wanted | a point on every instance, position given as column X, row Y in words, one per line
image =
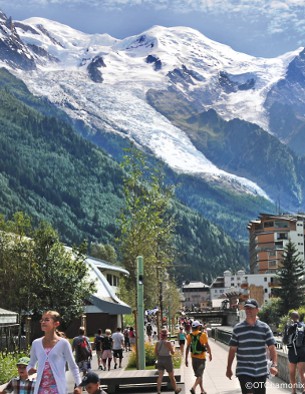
column 113, row 280
column 268, row 224
column 265, row 279
column 281, row 236
column 280, row 224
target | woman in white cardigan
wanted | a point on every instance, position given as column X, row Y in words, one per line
column 52, row 352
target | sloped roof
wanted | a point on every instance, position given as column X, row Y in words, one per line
column 195, row 285
column 8, row 317
column 104, row 300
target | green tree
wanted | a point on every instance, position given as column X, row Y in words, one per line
column 171, row 301
column 290, row 276
column 15, row 262
column 40, row 272
column 58, row 268
column 270, row 312
column 104, row 252
column 147, row 225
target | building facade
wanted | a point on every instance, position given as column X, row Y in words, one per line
column 196, row 296
column 237, row 288
column 268, row 236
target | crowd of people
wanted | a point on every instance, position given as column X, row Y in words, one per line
column 44, row 372
column 252, row 343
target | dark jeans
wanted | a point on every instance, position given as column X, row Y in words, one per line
column 252, row 384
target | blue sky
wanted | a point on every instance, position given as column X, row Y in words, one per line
column 258, row 27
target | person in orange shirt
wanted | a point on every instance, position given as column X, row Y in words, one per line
column 197, row 343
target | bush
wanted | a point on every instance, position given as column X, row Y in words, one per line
column 150, row 357
column 8, row 368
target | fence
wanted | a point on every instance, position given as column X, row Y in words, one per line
column 10, row 339
column 221, row 335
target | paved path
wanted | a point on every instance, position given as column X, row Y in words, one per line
column 214, row 381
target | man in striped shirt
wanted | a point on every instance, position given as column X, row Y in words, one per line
column 249, row 342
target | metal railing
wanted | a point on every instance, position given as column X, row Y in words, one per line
column 221, row 335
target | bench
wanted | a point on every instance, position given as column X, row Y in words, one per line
column 115, row 379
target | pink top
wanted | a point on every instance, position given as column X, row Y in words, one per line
column 47, row 383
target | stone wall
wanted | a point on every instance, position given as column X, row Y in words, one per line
column 223, row 335
column 282, row 359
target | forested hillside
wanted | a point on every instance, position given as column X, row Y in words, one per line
column 239, row 147
column 50, row 172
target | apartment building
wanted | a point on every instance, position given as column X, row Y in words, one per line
column 240, row 286
column 268, row 236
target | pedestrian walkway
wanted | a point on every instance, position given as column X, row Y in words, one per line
column 214, row 380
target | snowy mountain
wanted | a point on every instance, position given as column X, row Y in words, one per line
column 105, row 84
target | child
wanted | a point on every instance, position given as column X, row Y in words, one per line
column 91, row 382
column 22, row 384
column 155, row 336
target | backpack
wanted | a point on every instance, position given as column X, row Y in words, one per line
column 299, row 335
column 82, row 350
column 196, row 346
column 294, row 335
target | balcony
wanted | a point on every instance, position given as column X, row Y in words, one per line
column 273, row 284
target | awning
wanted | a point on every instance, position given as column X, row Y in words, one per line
column 110, row 307
column 8, row 317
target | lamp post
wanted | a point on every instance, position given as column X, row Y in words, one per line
column 160, row 312
column 28, row 331
column 84, row 322
column 140, row 314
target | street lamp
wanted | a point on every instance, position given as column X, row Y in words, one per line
column 140, row 314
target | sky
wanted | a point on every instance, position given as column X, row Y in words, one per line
column 265, row 28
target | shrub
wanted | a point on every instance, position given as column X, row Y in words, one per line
column 150, row 357
column 8, row 368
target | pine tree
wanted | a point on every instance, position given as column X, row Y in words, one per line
column 291, row 279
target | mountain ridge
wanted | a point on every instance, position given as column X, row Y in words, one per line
column 105, row 88
column 135, row 44
column 48, row 171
